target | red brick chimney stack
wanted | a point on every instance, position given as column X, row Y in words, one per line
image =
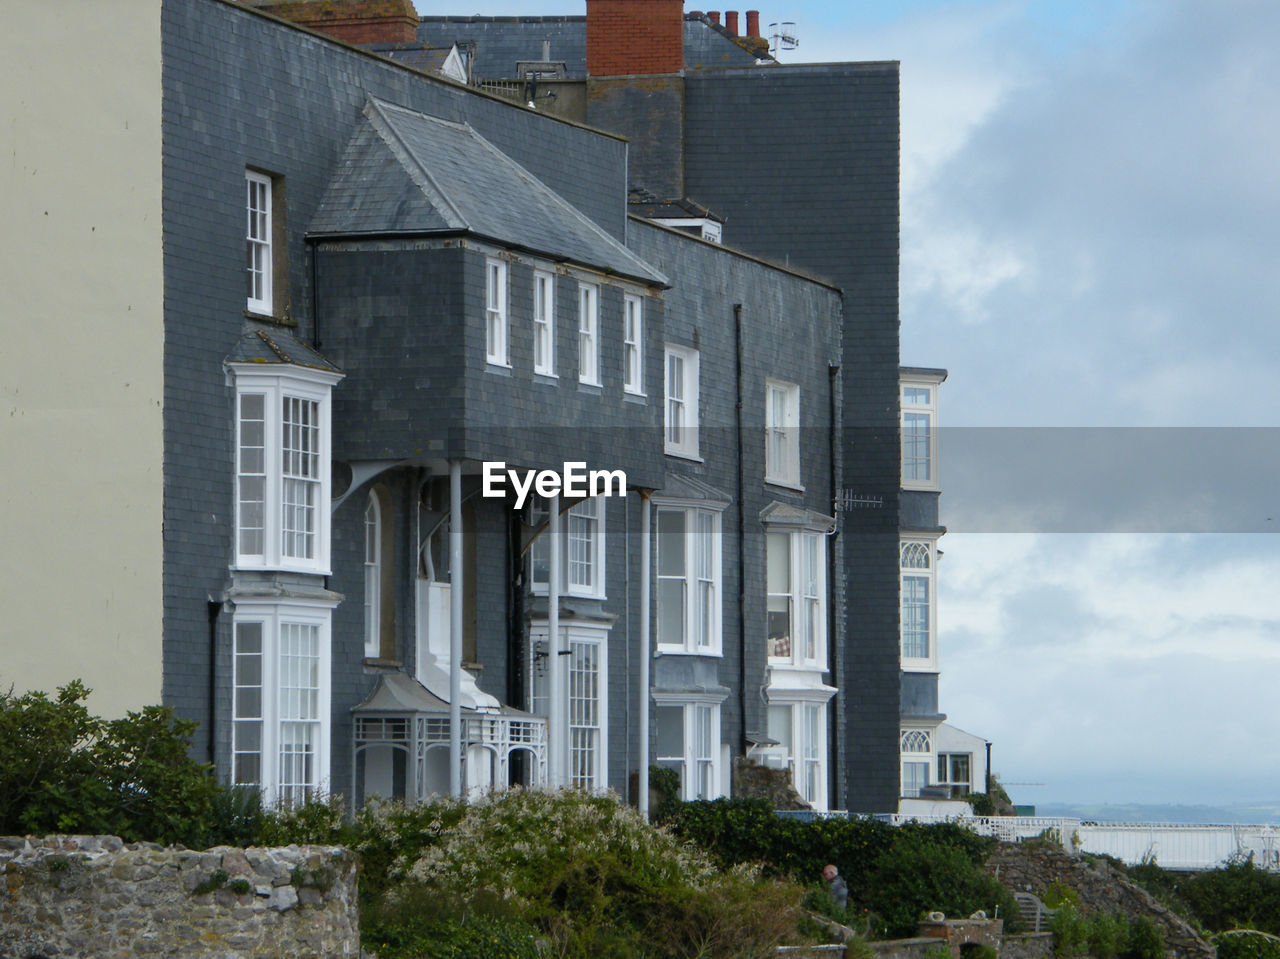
column 354, row 21
column 714, row 16
column 731, row 22
column 626, row 37
column 753, row 23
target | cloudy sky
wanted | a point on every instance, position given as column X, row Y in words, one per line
column 1090, row 220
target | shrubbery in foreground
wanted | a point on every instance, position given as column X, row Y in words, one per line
column 64, row 770
column 896, row 874
column 583, row 872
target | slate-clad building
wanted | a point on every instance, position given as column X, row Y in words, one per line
column 798, row 164
column 349, row 286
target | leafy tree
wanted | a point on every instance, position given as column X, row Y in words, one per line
column 65, row 770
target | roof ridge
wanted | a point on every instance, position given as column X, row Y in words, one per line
column 376, row 111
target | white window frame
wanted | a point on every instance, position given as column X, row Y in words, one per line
column 278, row 706
column 700, row 769
column 916, row 747
column 590, row 510
column 544, row 323
column 577, row 639
column 919, row 425
column 918, row 567
column 680, row 410
column 497, row 345
column 588, row 334
column 260, row 266
column 782, row 434
column 373, row 572
column 805, row 594
column 959, row 788
column 702, row 572
column 805, row 753
column 277, row 384
column 633, row 345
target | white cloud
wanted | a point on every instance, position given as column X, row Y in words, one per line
column 1086, row 659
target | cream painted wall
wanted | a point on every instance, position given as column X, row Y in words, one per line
column 81, row 349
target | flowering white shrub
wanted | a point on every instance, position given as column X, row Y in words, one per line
column 511, row 843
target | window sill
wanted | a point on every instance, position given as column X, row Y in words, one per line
column 780, row 483
column 252, row 314
column 684, row 455
column 502, row 369
column 673, row 650
column 542, row 376
column 928, row 486
column 919, row 666
column 377, row 662
column 636, row 395
column 587, row 386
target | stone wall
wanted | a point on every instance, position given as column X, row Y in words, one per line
column 1031, row 945
column 95, row 897
column 1033, row 867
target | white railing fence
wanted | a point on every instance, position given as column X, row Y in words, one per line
column 1170, row 845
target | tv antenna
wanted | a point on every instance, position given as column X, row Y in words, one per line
column 782, row 36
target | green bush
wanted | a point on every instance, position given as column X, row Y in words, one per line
column 590, row 875
column 1246, row 944
column 63, row 770
column 1070, row 933
column 916, row 876
column 945, row 860
column 1104, row 935
column 411, row 931
column 1238, row 895
column 1145, row 940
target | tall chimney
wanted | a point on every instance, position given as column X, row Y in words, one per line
column 731, row 22
column 627, row 37
column 714, row 16
column 753, row 23
column 353, row 21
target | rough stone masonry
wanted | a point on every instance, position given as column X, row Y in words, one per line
column 95, row 897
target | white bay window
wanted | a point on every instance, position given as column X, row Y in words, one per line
column 282, row 467
column 688, row 742
column 919, row 602
column 688, row 580
column 280, row 704
column 796, row 581
column 586, row 689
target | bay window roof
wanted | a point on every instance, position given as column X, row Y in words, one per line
column 406, row 173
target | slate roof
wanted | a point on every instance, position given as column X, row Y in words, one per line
column 275, row 346
column 417, row 55
column 502, row 41
column 404, row 172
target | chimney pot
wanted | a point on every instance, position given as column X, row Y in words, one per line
column 753, row 23
column 731, row 22
column 714, row 16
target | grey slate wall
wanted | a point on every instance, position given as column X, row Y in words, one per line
column 241, row 90
column 791, row 331
column 829, row 134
